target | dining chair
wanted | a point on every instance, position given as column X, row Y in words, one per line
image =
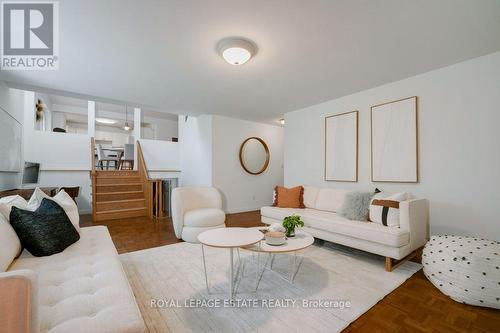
column 128, row 157
column 102, row 157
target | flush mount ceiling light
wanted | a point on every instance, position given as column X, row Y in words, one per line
column 105, row 121
column 236, row 51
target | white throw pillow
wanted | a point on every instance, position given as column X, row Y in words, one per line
column 310, row 196
column 69, row 206
column 62, row 199
column 36, row 199
column 10, row 246
column 7, row 203
column 330, row 199
column 385, row 209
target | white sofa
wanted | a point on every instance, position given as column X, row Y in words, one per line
column 82, row 289
column 196, row 209
column 322, row 221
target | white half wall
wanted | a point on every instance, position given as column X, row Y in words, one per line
column 241, row 190
column 12, row 102
column 459, row 137
column 161, row 155
column 195, row 140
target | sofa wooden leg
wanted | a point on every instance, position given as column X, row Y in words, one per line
column 388, row 264
column 391, row 263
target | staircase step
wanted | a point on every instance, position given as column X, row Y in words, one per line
column 118, row 187
column 115, row 173
column 105, row 180
column 121, row 213
column 114, row 196
column 120, row 204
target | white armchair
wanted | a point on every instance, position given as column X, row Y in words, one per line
column 196, row 209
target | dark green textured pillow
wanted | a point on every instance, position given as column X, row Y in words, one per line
column 46, row 231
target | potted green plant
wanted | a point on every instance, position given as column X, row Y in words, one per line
column 290, row 223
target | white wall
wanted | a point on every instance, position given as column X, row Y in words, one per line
column 12, row 101
column 161, row 155
column 241, row 190
column 195, row 139
column 459, row 144
column 59, row 178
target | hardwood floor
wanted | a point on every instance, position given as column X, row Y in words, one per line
column 136, row 233
column 416, row 306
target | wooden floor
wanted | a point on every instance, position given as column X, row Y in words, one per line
column 416, row 306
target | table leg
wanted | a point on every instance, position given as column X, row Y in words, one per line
column 205, row 267
column 231, row 281
column 260, row 272
column 257, row 269
column 296, row 266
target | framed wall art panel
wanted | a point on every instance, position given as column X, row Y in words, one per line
column 341, row 147
column 394, row 141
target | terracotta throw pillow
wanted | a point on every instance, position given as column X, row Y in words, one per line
column 289, row 197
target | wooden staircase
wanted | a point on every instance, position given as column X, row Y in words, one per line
column 119, row 194
column 122, row 194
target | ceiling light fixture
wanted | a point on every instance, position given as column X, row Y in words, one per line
column 105, row 121
column 282, row 121
column 126, row 127
column 236, row 51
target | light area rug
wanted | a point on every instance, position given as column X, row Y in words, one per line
column 166, row 280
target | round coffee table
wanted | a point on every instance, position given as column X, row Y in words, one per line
column 229, row 238
column 300, row 241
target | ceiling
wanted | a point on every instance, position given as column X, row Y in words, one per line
column 161, row 54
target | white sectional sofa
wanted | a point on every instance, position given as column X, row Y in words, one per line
column 322, row 221
column 82, row 289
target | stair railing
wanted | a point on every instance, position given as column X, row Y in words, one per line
column 93, row 178
column 152, row 186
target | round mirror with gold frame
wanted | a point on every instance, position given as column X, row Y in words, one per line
column 254, row 155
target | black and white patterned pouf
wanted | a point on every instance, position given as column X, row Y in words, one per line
column 465, row 268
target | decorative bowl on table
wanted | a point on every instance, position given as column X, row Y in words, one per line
column 276, row 227
column 275, row 238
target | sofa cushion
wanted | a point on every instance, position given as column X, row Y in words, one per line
column 204, row 217
column 10, row 246
column 6, row 204
column 385, row 210
column 332, row 222
column 63, row 199
column 84, row 288
column 356, row 205
column 310, row 196
column 46, row 231
column 330, row 199
column 289, row 197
